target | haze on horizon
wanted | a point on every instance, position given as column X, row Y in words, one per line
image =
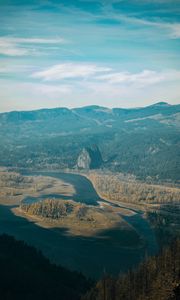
column 118, row 53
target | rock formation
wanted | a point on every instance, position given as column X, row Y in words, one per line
column 90, row 158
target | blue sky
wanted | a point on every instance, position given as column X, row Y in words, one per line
column 119, row 53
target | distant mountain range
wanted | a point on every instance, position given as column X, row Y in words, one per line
column 142, row 141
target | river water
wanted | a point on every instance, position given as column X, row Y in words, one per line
column 113, row 250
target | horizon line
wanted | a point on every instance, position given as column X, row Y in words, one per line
column 161, row 103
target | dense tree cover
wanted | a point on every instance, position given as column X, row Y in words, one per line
column 158, row 278
column 25, row 274
column 132, row 191
column 161, row 204
column 50, row 208
column 144, row 141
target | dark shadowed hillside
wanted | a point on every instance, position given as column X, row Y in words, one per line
column 26, row 274
column 141, row 141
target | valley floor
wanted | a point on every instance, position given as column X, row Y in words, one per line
column 116, row 245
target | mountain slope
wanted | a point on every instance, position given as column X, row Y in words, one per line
column 26, row 274
column 143, row 141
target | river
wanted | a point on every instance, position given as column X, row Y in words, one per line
column 111, row 250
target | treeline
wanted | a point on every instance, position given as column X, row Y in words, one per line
column 55, row 209
column 49, row 208
column 13, row 179
column 113, row 188
column 25, row 274
column 158, row 278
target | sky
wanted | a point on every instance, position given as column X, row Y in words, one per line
column 67, row 53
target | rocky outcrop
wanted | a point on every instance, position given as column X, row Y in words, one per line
column 90, row 158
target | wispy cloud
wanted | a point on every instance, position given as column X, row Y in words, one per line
column 15, row 46
column 18, row 40
column 12, row 49
column 95, row 73
column 141, row 79
column 171, row 29
column 69, row 70
column 145, row 77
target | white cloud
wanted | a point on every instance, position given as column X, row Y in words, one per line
column 16, row 40
column 11, row 49
column 69, row 70
column 94, row 73
column 13, row 46
column 143, row 78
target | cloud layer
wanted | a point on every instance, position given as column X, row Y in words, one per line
column 71, row 53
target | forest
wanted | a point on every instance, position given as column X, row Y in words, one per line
column 115, row 187
column 26, row 274
column 157, row 278
column 49, row 208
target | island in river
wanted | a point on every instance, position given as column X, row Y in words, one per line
column 114, row 245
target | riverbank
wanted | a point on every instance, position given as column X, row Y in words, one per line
column 115, row 249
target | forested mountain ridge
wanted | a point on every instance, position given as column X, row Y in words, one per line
column 94, row 112
column 141, row 141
